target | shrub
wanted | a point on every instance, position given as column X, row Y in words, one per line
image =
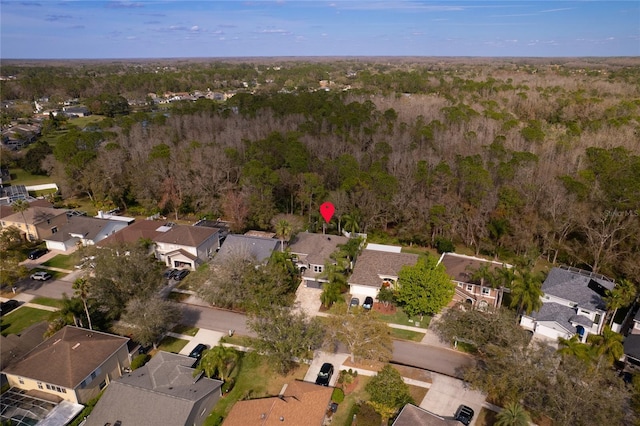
column 228, row 386
column 444, row 245
column 337, row 396
column 139, row 361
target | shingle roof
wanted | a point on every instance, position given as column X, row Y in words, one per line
column 562, row 315
column 35, row 215
column 371, row 264
column 145, row 229
column 410, row 415
column 68, row 357
column 163, row 392
column 632, row 346
column 184, row 235
column 302, row 404
column 577, row 286
column 13, row 347
column 89, row 227
column 316, row 247
column 257, row 248
column 460, row 267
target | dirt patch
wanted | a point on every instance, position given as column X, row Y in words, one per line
column 365, row 364
column 414, row 373
column 390, row 309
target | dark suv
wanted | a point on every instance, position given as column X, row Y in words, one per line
column 37, row 253
column 324, row 376
column 464, row 415
column 197, row 351
column 368, row 303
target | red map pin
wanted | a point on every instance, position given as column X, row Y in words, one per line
column 326, row 210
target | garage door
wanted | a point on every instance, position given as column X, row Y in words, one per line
column 313, row 284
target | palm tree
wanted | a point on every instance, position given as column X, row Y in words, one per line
column 351, row 223
column 621, row 295
column 283, row 231
column 504, row 278
column 219, row 359
column 21, row 206
column 81, row 287
column 574, row 347
column 513, row 414
column 607, row 346
column 526, row 291
column 330, row 294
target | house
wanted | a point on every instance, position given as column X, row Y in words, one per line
column 247, row 247
column 76, row 111
column 572, row 303
column 37, row 223
column 410, row 415
column 83, row 230
column 183, row 246
column 312, row 251
column 299, row 404
column 472, row 291
column 74, row 364
column 143, row 230
column 632, row 351
column 165, row 391
column 377, row 266
column 13, row 347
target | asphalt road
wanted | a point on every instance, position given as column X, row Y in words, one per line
column 432, row 358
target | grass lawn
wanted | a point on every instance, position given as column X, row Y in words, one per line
column 239, row 340
column 172, row 344
column 418, row 393
column 255, row 379
column 185, row 329
column 399, row 317
column 21, row 318
column 344, row 415
column 62, row 261
column 47, row 301
column 414, row 336
column 21, row 177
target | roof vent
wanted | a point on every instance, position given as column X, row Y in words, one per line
column 281, row 419
column 57, row 340
column 75, row 346
column 263, row 416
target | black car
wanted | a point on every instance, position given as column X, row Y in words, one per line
column 197, row 351
column 8, row 306
column 37, row 253
column 181, row 275
column 324, row 376
column 354, row 302
column 368, row 303
column 464, row 415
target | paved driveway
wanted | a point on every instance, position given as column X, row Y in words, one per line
column 308, row 300
column 320, row 357
column 208, row 337
column 446, row 394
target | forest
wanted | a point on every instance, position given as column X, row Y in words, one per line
column 508, row 157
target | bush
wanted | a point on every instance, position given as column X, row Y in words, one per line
column 228, row 386
column 139, row 361
column 444, row 245
column 337, row 396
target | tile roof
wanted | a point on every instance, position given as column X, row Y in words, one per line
column 162, row 392
column 581, row 287
column 68, row 357
column 145, row 229
column 315, row 247
column 410, row 415
column 185, row 235
column 460, row 267
column 257, row 248
column 302, row 404
column 371, row 264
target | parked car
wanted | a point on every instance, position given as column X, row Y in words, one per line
column 181, row 275
column 41, row 276
column 324, row 376
column 8, row 306
column 464, row 415
column 169, row 273
column 197, row 351
column 354, row 302
column 368, row 303
column 37, row 253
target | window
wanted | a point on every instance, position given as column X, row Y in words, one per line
column 48, row 221
column 39, row 385
column 486, row 291
column 21, row 380
column 317, row 268
column 49, row 386
column 460, row 285
column 54, row 229
column 597, row 319
column 469, row 287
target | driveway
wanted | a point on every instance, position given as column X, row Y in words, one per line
column 446, row 394
column 208, row 337
column 308, row 300
column 320, row 357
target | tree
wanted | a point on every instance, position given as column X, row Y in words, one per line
column 621, row 295
column 526, row 291
column 424, row 288
column 81, row 287
column 150, row 318
column 388, row 392
column 513, row 414
column 386, row 296
column 575, row 348
column 68, row 314
column 607, row 347
column 219, row 361
column 283, row 231
column 330, row 294
column 21, row 206
column 286, row 336
column 364, row 335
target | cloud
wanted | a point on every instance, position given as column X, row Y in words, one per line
column 273, row 31
column 77, row 27
column 556, row 10
column 54, row 18
column 114, row 4
column 31, row 3
column 151, row 22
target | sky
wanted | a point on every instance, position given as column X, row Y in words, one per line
column 61, row 29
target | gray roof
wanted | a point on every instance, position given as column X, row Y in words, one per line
column 578, row 286
column 315, row 249
column 163, row 392
column 413, row 416
column 371, row 264
column 89, row 227
column 563, row 315
column 259, row 249
column 632, row 346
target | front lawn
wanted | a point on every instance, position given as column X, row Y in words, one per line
column 399, row 317
column 22, row 318
column 47, row 301
column 346, row 410
column 172, row 344
column 185, row 329
column 413, row 336
column 62, row 261
column 255, row 379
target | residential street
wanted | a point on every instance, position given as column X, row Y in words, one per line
column 432, row 358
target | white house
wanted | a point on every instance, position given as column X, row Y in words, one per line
column 572, row 303
column 83, row 230
column 183, row 246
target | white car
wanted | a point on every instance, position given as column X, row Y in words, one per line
column 41, row 276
